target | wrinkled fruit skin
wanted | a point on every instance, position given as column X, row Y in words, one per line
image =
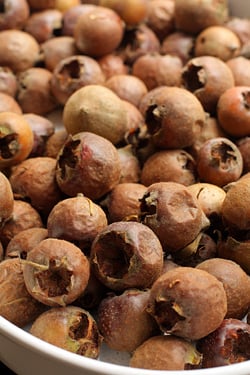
column 219, row 161
column 126, row 255
column 56, row 272
column 88, row 164
column 77, row 219
column 180, row 299
column 169, row 209
column 16, row 303
column 24, row 241
column 174, row 117
column 208, row 78
column 72, row 73
column 24, row 216
column 31, row 178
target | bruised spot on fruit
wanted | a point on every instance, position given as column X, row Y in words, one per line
column 223, row 155
column 86, row 152
column 194, row 77
column 68, row 158
column 123, row 320
column 114, row 255
column 246, row 99
column 8, row 145
column 153, row 118
column 55, row 280
column 168, row 313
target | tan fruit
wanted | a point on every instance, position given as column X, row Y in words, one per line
column 236, row 206
column 96, row 109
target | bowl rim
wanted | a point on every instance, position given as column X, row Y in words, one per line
column 32, row 343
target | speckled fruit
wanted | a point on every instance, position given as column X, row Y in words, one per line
column 235, row 281
column 188, row 302
column 123, row 320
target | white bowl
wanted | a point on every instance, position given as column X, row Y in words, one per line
column 26, row 354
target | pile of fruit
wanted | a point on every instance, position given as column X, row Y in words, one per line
column 127, row 221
